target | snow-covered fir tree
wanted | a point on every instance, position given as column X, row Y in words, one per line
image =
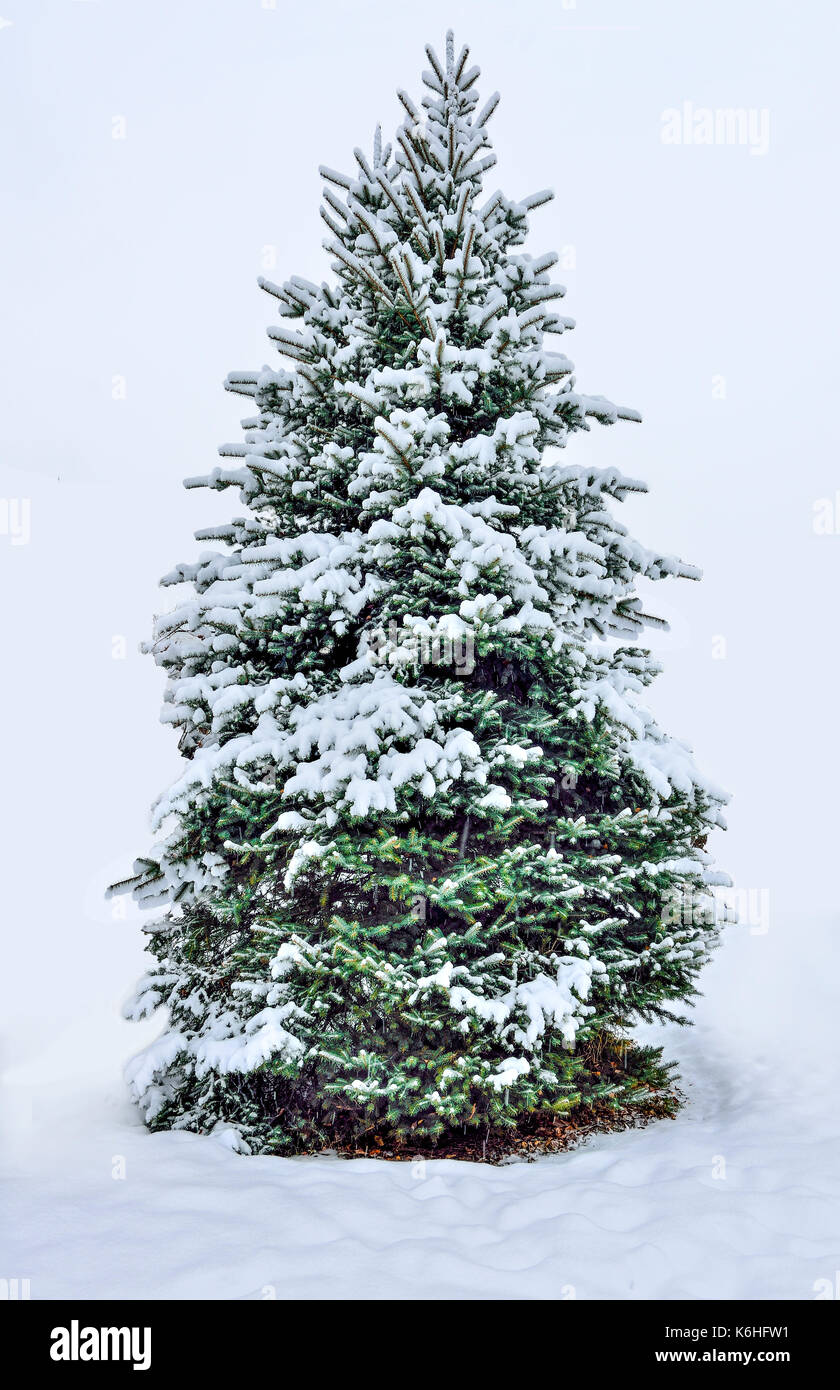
column 430, row 855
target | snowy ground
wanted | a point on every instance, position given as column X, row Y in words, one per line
column 737, row 1198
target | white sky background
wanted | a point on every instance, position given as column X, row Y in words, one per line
column 138, row 258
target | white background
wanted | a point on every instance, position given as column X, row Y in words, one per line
column 136, row 258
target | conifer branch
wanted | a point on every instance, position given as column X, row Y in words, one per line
column 405, row 145
column 341, row 180
column 435, row 64
column 487, row 110
column 536, row 200
column 413, row 113
column 416, row 203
